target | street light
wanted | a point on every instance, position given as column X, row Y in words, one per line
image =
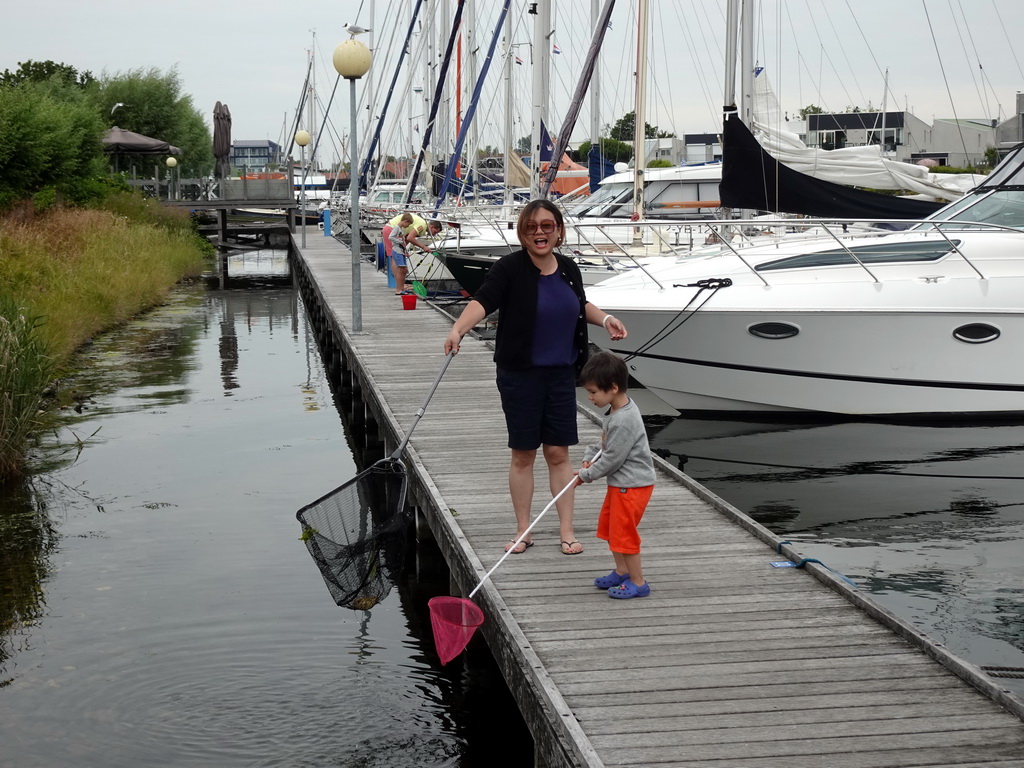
column 302, row 138
column 171, row 162
column 352, row 60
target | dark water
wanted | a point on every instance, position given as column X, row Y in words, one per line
column 156, row 604
column 929, row 519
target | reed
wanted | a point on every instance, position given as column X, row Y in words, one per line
column 26, row 368
column 64, row 277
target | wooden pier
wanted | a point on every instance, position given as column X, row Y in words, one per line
column 730, row 663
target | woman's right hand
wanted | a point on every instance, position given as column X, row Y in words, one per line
column 451, row 344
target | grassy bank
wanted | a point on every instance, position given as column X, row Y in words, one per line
column 68, row 274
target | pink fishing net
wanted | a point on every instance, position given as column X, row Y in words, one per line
column 454, row 620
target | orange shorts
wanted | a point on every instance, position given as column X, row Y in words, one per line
column 620, row 515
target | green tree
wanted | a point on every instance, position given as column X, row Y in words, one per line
column 811, row 109
column 154, row 105
column 49, row 138
column 613, row 150
column 524, row 145
column 43, row 71
column 625, row 125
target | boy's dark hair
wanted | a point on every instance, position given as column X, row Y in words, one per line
column 604, row 370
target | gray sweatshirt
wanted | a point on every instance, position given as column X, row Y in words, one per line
column 626, row 457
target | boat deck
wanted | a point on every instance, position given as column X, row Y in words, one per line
column 730, row 662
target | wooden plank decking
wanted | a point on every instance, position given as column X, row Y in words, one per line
column 730, row 662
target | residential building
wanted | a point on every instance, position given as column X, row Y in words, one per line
column 255, row 156
column 701, row 148
column 1010, row 132
column 907, row 139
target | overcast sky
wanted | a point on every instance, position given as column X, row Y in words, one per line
column 944, row 57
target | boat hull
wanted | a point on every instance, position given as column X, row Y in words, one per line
column 855, row 364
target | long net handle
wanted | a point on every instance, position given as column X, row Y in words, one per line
column 423, row 408
column 529, row 528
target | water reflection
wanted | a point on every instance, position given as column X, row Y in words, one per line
column 27, row 540
column 929, row 518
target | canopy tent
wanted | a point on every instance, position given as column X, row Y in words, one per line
column 570, row 176
column 119, row 141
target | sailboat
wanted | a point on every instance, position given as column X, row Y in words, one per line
column 654, row 204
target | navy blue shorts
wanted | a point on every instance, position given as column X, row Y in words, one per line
column 539, row 406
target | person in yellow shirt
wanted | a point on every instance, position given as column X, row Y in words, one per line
column 411, row 229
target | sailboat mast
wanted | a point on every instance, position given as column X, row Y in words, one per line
column 885, row 94
column 541, row 68
column 595, row 85
column 640, row 112
column 471, row 77
column 312, row 104
column 731, row 28
column 747, row 61
column 509, row 61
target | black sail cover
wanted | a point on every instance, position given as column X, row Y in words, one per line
column 751, row 178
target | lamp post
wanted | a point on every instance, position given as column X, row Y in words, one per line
column 302, row 138
column 352, row 60
column 171, row 162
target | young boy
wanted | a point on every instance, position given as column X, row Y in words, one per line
column 399, row 266
column 626, row 461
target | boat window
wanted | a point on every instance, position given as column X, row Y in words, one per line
column 773, row 330
column 976, row 333
column 1004, row 207
column 607, row 198
column 884, row 253
column 681, row 200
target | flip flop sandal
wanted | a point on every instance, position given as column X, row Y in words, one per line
column 613, row 579
column 515, row 551
column 568, row 545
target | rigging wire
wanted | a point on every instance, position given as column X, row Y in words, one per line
column 945, row 80
column 982, row 95
column 675, row 322
column 1009, row 42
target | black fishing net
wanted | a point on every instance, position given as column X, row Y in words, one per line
column 357, row 534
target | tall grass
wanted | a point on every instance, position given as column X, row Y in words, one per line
column 26, row 368
column 69, row 274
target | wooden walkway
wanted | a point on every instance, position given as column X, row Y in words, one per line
column 729, row 663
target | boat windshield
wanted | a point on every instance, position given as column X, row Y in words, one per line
column 609, row 200
column 1004, row 207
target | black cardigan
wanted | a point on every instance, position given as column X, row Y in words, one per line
column 511, row 286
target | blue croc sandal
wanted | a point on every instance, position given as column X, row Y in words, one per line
column 628, row 589
column 613, row 579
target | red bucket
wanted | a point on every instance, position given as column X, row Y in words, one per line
column 454, row 620
column 408, row 301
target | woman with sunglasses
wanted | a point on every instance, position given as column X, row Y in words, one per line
column 539, row 347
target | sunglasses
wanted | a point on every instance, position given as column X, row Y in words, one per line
column 547, row 227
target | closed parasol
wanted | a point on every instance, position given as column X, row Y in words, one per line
column 222, row 140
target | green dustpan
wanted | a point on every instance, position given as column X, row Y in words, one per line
column 417, row 287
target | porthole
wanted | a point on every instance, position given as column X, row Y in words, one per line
column 976, row 333
column 773, row 330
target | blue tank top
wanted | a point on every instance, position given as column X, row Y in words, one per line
column 557, row 311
